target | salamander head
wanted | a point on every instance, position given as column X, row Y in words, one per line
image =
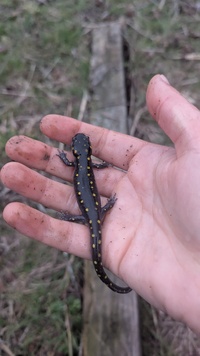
column 81, row 145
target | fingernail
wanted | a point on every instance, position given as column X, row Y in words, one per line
column 164, row 78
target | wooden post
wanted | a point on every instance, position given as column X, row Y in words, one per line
column 111, row 321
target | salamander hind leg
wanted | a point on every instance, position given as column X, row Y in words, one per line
column 72, row 218
column 101, row 165
column 110, row 203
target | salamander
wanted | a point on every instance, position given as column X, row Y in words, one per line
column 89, row 202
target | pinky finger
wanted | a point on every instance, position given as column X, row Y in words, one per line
column 65, row 236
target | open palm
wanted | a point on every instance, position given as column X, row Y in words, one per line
column 151, row 237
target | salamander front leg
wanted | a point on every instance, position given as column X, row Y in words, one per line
column 62, row 155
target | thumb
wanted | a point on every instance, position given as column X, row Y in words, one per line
column 179, row 119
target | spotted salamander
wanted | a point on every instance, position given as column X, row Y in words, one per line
column 89, row 202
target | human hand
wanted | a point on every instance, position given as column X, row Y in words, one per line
column 151, row 236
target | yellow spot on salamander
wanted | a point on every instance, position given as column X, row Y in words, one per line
column 93, row 245
column 88, row 174
column 90, row 221
column 99, row 222
column 99, row 242
column 86, row 209
column 76, row 174
column 95, row 262
column 93, row 235
column 79, row 193
column 94, row 195
column 96, row 203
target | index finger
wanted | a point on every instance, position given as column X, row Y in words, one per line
column 110, row 146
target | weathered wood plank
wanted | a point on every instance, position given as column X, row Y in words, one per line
column 107, row 78
column 111, row 321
